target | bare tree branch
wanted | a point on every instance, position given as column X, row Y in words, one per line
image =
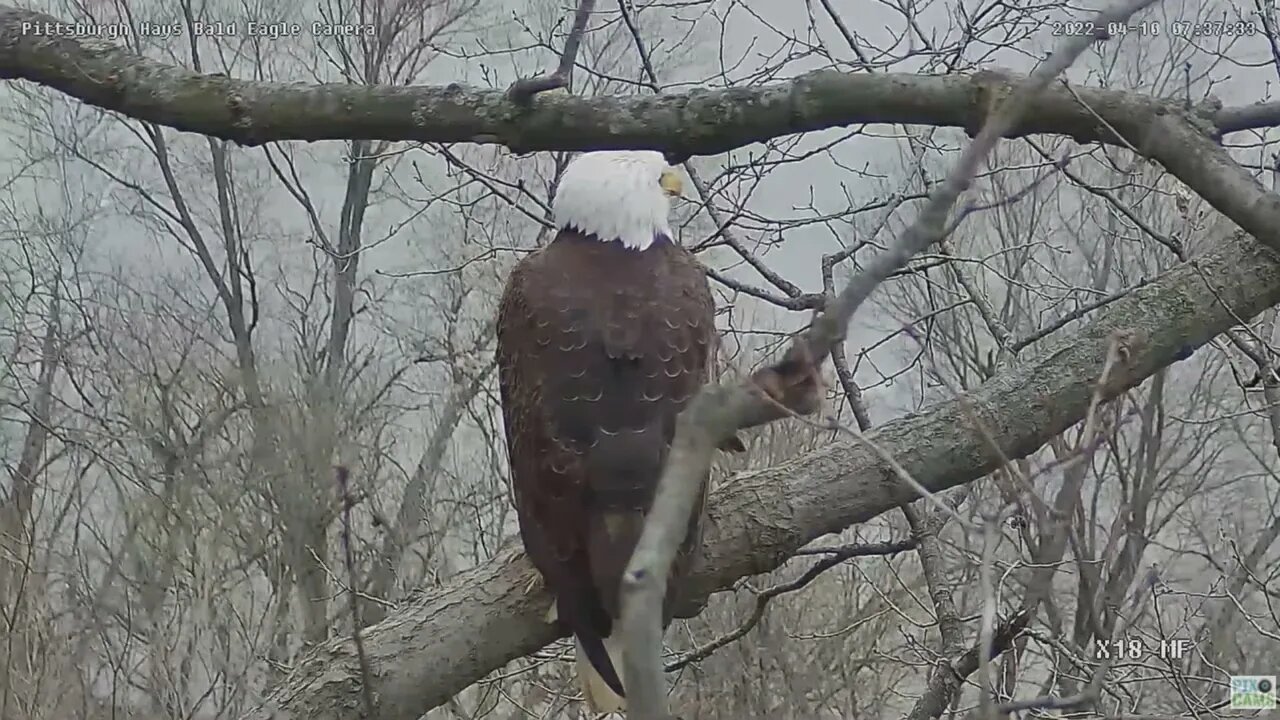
column 946, row 683
column 523, row 90
column 834, row 557
column 343, row 477
column 683, row 124
column 450, row 637
column 1092, row 693
column 1206, row 168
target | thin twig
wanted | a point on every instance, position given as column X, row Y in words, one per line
column 1093, row 692
column 834, row 557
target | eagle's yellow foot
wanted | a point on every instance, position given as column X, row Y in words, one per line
column 535, row 583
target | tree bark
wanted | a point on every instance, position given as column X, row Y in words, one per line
column 452, row 636
column 697, row 122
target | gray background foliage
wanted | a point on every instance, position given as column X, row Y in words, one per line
column 195, row 332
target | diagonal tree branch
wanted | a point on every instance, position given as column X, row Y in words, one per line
column 1205, row 167
column 718, row 412
column 450, row 637
column 523, row 90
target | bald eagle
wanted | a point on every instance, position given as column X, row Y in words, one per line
column 604, row 336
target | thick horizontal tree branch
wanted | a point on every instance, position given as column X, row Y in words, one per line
column 450, row 637
column 698, row 122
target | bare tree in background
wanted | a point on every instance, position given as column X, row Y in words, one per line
column 1080, row 378
column 222, row 380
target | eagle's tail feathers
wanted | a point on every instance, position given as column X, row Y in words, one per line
column 597, row 658
column 602, row 695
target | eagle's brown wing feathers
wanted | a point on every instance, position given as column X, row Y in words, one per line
column 599, row 348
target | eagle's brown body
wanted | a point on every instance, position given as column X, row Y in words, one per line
column 600, row 346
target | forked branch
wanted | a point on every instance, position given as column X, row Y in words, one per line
column 523, row 90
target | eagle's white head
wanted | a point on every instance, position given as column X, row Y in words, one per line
column 620, row 195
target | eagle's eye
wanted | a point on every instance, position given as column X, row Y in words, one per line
column 671, row 183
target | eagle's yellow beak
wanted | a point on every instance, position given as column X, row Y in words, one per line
column 671, row 182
